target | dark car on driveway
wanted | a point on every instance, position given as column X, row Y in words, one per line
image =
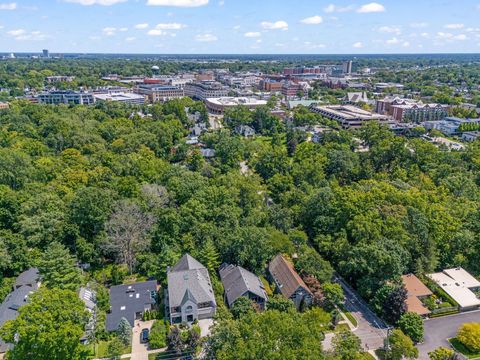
column 144, row 335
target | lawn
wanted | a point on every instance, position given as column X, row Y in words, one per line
column 102, row 347
column 458, row 346
column 351, row 318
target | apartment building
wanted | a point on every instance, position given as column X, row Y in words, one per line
column 159, row 92
column 206, row 89
column 66, row 97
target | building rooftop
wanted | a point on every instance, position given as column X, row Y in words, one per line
column 350, row 112
column 234, row 101
column 286, row 276
column 118, row 97
column 458, row 284
column 127, row 300
column 237, row 281
column 415, row 289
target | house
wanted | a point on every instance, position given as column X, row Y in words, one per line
column 189, row 295
column 130, row 302
column 239, row 282
column 288, row 282
column 88, row 296
column 416, row 291
column 25, row 284
column 245, row 130
column 460, row 286
column 470, row 136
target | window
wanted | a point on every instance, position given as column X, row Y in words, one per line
column 122, row 308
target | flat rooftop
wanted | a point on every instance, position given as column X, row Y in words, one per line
column 234, row 101
column 350, row 112
column 118, row 97
column 458, row 283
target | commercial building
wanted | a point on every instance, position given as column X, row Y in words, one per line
column 271, row 85
column 460, row 285
column 419, row 112
column 206, row 89
column 59, row 78
column 130, row 302
column 471, row 136
column 416, row 291
column 218, row 105
column 292, row 90
column 3, row 105
column 239, row 282
column 159, row 92
column 66, row 97
column 450, row 125
column 127, row 98
column 189, row 296
column 384, row 106
column 45, row 53
column 288, row 282
column 347, row 67
column 349, row 116
column 381, row 87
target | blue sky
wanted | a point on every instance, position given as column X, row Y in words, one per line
column 240, row 26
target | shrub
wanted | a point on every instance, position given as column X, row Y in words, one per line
column 469, row 335
column 158, row 335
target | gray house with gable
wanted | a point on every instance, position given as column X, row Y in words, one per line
column 189, row 295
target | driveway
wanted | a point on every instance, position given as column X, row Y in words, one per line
column 438, row 330
column 371, row 329
column 139, row 350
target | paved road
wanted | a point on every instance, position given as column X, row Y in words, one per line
column 438, row 330
column 371, row 329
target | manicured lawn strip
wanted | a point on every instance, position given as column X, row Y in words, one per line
column 458, row 346
column 351, row 318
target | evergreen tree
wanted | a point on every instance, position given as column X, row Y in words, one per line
column 210, row 257
column 124, row 331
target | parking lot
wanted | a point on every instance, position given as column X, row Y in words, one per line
column 438, row 330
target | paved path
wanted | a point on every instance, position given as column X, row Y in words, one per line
column 370, row 329
column 438, row 330
column 140, row 350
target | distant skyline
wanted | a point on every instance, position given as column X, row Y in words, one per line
column 240, row 26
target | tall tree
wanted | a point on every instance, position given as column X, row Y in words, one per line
column 124, row 331
column 49, row 326
column 127, row 229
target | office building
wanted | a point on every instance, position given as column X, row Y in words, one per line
column 66, row 97
column 46, row 53
column 271, row 85
column 127, row 98
column 349, row 116
column 159, row 92
column 206, row 89
column 347, row 67
column 218, row 105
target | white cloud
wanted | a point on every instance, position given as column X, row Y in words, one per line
column 96, row 2
column 8, row 6
column 236, row 27
column 141, row 26
column 221, row 3
column 24, row 35
column 334, row 8
column 170, row 26
column 392, row 41
column 371, row 8
column 312, row 46
column 252, row 34
column 277, row 25
column 451, row 37
column 109, row 31
column 156, row 32
column 206, row 38
column 419, row 25
column 454, row 26
column 390, row 29
column 178, row 3
column 358, row 45
column 130, row 39
column 406, row 44
column 313, row 20
column 123, row 29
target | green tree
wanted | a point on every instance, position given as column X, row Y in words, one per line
column 401, row 346
column 347, row 346
column 158, row 335
column 58, row 268
column 124, row 331
column 279, row 303
column 209, row 256
column 49, row 326
column 333, row 293
column 115, row 349
column 469, row 335
column 442, row 354
column 412, row 325
column 241, row 307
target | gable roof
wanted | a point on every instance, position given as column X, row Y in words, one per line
column 187, row 263
column 286, row 277
column 29, row 277
column 126, row 300
column 237, row 282
column 189, row 280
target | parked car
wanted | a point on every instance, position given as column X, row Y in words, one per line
column 144, row 335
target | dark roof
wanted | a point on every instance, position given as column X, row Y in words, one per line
column 189, row 280
column 26, row 283
column 285, row 276
column 126, row 300
column 237, row 282
column 29, row 277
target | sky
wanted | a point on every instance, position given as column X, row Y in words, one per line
column 240, row 26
